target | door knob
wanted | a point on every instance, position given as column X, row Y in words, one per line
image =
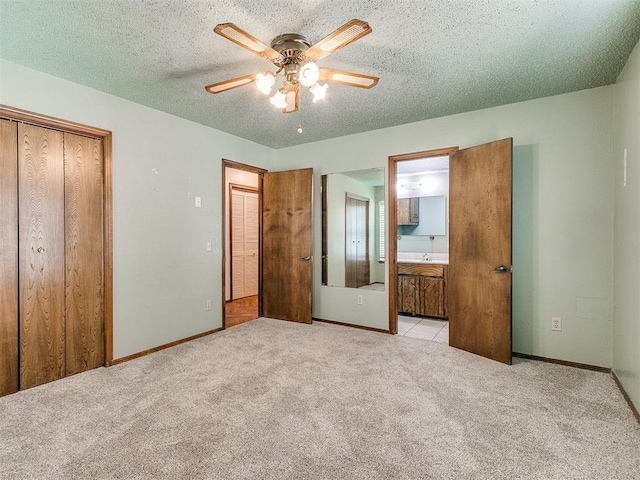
column 503, row 269
column 40, row 249
column 306, row 259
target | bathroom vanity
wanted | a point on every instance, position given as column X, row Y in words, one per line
column 422, row 287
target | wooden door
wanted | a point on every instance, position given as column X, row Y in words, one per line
column 41, row 262
column 287, row 229
column 8, row 257
column 430, row 302
column 84, row 282
column 362, row 250
column 479, row 279
column 356, row 242
column 244, row 243
column 325, row 232
column 407, row 290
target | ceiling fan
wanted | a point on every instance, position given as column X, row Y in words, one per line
column 295, row 59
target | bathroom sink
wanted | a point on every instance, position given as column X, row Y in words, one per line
column 423, row 258
column 420, row 260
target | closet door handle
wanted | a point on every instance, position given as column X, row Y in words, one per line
column 306, row 259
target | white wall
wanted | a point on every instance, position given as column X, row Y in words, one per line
column 162, row 273
column 563, row 214
column 626, row 325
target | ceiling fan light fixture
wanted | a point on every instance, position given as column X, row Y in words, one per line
column 264, row 82
column 318, row 91
column 296, row 62
column 309, row 74
column 279, row 100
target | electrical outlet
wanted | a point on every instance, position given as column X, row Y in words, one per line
column 360, row 300
column 208, row 305
column 556, row 323
column 198, row 202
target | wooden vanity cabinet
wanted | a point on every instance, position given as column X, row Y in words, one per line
column 422, row 289
column 408, row 211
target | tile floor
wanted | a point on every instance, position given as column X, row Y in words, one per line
column 425, row 328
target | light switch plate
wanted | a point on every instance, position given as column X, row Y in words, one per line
column 208, row 246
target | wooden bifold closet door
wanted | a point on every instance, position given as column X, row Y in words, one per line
column 53, row 265
column 245, row 244
column 41, row 254
column 8, row 257
column 84, row 276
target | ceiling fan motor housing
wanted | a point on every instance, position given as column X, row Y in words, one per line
column 290, row 46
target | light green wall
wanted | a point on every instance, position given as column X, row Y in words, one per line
column 626, row 318
column 563, row 214
column 337, row 187
column 162, row 273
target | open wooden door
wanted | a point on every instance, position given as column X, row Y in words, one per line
column 479, row 284
column 287, row 206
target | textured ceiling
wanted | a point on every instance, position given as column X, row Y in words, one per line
column 434, row 58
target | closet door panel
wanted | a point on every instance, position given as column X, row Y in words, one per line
column 252, row 243
column 41, row 262
column 8, row 257
column 237, row 245
column 83, row 247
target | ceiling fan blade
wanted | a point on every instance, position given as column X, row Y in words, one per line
column 230, row 84
column 251, row 43
column 343, row 36
column 293, row 99
column 348, row 78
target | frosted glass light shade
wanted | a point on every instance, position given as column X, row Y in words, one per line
column 318, row 92
column 264, row 82
column 309, row 74
column 279, row 100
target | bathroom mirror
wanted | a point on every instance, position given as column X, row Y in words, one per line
column 353, row 229
column 432, row 217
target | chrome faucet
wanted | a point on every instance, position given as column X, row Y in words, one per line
column 425, row 257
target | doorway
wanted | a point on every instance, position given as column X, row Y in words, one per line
column 473, row 288
column 284, row 254
column 422, row 246
column 242, row 200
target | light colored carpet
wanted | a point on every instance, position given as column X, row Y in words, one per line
column 275, row 400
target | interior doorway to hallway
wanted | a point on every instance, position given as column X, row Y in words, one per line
column 242, row 191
